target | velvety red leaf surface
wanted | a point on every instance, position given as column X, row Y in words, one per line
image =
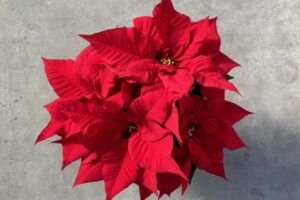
column 145, row 104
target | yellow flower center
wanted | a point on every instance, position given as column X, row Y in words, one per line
column 131, row 128
column 167, row 61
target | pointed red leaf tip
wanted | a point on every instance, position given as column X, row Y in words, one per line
column 144, row 192
column 119, row 170
column 225, row 63
column 149, row 180
column 50, row 130
column 231, row 139
column 88, row 38
column 71, row 150
column 169, row 23
column 229, row 112
column 89, row 172
column 187, row 171
column 128, row 174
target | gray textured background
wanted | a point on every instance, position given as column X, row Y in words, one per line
column 262, row 35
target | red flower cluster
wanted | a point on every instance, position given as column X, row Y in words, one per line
column 145, row 104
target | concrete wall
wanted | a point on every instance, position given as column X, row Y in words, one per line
column 262, row 35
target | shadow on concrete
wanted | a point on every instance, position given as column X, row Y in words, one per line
column 269, row 168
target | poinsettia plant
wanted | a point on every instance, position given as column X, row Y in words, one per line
column 145, row 104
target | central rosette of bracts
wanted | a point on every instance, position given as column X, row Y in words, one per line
column 145, row 104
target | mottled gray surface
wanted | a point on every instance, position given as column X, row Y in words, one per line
column 263, row 35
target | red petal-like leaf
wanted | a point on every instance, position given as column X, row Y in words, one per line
column 207, row 73
column 152, row 131
column 169, row 23
column 224, row 63
column 118, row 47
column 127, row 175
column 212, row 147
column 181, row 81
column 149, row 107
column 143, row 71
column 130, row 92
column 154, row 156
column 81, row 119
column 63, row 77
column 197, row 36
column 50, row 130
column 212, row 93
column 217, row 168
column 114, row 103
column 146, row 26
column 105, row 82
column 198, row 155
column 144, row 192
column 167, row 183
column 231, row 139
column 101, row 136
column 172, row 122
column 119, row 170
column 229, row 112
column 72, row 151
column 89, row 172
column 212, row 42
column 149, row 180
column 187, row 171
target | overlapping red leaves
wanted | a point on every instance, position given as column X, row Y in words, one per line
column 145, row 104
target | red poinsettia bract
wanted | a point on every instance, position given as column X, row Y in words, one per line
column 145, row 104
